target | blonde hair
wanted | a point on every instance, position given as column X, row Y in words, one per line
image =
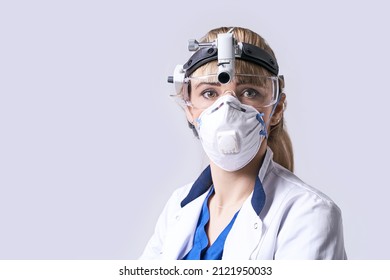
column 278, row 140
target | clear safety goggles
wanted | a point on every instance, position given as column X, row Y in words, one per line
column 254, row 90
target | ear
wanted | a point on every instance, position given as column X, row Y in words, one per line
column 279, row 110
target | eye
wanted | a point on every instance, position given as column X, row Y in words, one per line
column 209, row 94
column 250, row 93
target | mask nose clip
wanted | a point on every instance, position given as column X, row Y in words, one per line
column 235, row 106
column 232, row 104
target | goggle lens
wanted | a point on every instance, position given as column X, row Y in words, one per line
column 254, row 90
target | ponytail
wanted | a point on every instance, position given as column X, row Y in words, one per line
column 280, row 143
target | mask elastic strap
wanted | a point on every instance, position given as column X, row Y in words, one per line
column 259, row 117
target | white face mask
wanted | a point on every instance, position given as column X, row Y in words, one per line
column 230, row 132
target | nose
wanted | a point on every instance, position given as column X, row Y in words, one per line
column 230, row 92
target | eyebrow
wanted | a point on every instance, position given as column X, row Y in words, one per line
column 216, row 84
column 207, row 83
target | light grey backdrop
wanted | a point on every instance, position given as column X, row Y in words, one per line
column 91, row 147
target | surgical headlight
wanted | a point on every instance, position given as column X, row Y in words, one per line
column 225, row 49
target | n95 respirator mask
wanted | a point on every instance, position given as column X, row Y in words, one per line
column 230, row 132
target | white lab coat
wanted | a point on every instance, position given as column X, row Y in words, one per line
column 296, row 222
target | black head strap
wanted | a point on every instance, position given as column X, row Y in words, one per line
column 249, row 53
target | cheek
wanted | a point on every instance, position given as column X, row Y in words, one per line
column 192, row 114
column 195, row 113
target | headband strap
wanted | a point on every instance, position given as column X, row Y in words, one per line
column 249, row 53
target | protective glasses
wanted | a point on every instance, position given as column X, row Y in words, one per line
column 254, row 90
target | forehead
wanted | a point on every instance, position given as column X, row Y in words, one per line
column 241, row 67
column 201, row 82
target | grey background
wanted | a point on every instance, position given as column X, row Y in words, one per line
column 91, row 147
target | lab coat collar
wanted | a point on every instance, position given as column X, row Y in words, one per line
column 200, row 186
column 204, row 182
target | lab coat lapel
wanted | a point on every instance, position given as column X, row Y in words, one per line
column 179, row 238
column 245, row 235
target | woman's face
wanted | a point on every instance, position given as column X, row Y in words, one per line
column 256, row 90
column 261, row 95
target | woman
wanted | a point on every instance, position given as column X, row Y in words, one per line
column 247, row 204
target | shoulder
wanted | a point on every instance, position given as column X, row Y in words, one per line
column 308, row 222
column 284, row 189
column 180, row 193
column 174, row 202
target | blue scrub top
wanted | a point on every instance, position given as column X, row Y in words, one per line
column 200, row 249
